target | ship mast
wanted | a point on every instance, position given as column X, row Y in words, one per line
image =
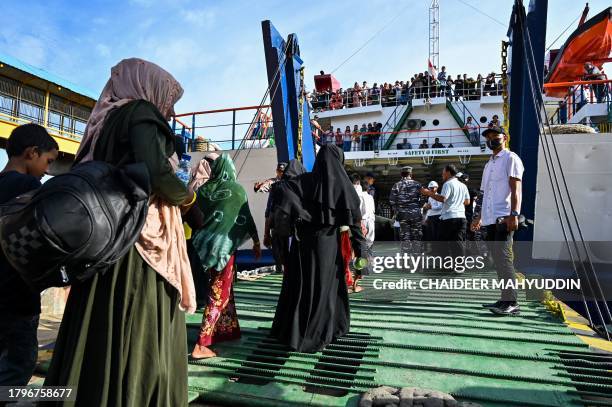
column 434, row 34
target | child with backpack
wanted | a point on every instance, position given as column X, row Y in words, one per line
column 30, row 151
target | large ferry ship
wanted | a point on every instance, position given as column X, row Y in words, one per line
column 550, row 355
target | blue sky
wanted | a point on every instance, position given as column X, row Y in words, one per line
column 214, row 48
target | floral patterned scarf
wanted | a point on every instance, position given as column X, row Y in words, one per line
column 227, row 218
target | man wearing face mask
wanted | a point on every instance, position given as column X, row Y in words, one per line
column 497, row 210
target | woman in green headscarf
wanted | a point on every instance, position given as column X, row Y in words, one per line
column 227, row 225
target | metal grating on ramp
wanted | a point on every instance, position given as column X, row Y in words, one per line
column 442, row 341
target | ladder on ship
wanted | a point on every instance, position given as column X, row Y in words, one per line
column 460, row 113
column 395, row 122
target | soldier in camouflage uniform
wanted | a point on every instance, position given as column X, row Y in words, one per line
column 406, row 199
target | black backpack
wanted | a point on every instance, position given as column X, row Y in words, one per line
column 76, row 225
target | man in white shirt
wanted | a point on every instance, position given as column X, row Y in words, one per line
column 434, row 209
column 454, row 196
column 592, row 73
column 497, row 210
column 369, row 216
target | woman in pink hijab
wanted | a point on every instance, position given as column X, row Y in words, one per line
column 122, row 341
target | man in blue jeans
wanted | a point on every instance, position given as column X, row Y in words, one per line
column 30, row 151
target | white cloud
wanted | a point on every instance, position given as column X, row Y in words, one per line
column 144, row 3
column 30, row 49
column 201, row 18
column 103, row 50
column 146, row 23
column 99, row 21
column 177, row 54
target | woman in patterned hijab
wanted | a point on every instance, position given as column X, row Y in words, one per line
column 227, row 225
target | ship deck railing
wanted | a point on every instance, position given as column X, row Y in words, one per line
column 449, row 138
column 20, row 102
column 68, row 141
column 477, row 90
column 592, row 95
column 197, row 136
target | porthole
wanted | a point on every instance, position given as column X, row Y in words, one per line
column 435, row 122
column 483, row 119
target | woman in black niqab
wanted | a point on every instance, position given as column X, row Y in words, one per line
column 313, row 307
column 278, row 220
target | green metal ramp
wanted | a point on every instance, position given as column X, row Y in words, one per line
column 454, row 112
column 437, row 340
column 395, row 123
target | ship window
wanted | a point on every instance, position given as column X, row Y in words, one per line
column 60, row 105
column 7, row 105
column 81, row 112
column 54, row 120
column 423, row 123
column 79, row 127
column 67, row 124
column 9, row 87
column 435, row 122
column 30, row 112
column 33, row 95
column 483, row 119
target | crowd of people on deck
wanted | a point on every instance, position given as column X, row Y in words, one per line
column 123, row 337
column 371, row 137
column 360, row 138
column 424, row 85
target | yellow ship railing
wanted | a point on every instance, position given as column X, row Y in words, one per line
column 68, row 142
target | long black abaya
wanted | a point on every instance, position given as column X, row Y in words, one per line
column 313, row 307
